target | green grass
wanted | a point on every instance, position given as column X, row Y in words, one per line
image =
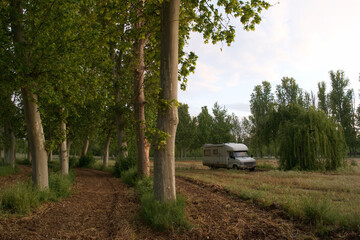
column 6, row 169
column 98, row 165
column 265, row 166
column 328, row 201
column 21, row 198
column 129, row 176
column 161, row 216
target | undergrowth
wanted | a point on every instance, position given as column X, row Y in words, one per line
column 123, row 164
column 160, row 216
column 130, row 176
column 7, row 169
column 21, row 198
column 266, row 166
column 86, row 161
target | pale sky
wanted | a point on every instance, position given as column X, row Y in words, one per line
column 303, row 39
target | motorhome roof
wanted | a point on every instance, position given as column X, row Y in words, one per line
column 229, row 146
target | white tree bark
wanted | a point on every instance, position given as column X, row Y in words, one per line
column 139, row 101
column 33, row 121
column 63, row 153
column 85, row 147
column 29, row 151
column 37, row 140
column 164, row 162
column 106, row 149
column 9, row 149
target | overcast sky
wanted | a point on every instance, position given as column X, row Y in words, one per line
column 303, row 39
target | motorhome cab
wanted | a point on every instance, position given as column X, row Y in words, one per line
column 228, row 155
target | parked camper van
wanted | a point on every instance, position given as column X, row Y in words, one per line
column 228, row 155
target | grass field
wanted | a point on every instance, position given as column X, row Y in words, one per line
column 328, row 201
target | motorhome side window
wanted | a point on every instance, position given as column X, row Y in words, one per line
column 215, row 152
column 207, row 152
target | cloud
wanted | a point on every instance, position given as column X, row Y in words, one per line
column 301, row 39
column 242, row 107
column 233, row 80
column 207, row 78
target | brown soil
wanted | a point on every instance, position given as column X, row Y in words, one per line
column 102, row 207
column 23, row 174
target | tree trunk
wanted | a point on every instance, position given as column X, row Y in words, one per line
column 50, row 155
column 68, row 145
column 181, row 152
column 119, row 115
column 85, row 147
column 32, row 115
column 121, row 135
column 29, row 152
column 9, row 146
column 164, row 163
column 139, row 102
column 106, row 149
column 37, row 140
column 63, row 153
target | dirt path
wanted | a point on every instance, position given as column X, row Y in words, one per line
column 101, row 208
column 104, row 208
column 23, row 174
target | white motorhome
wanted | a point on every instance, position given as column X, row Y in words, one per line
column 228, row 155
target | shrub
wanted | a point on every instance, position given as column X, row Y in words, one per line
column 54, row 166
column 130, row 176
column 86, row 161
column 22, row 197
column 60, row 185
column 320, row 214
column 123, row 164
column 163, row 216
column 25, row 161
column 7, row 169
column 73, row 162
column 144, row 185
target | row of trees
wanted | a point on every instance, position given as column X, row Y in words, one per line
column 73, row 71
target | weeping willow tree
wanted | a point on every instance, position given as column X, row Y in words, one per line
column 310, row 140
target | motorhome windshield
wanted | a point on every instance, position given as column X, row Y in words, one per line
column 241, row 154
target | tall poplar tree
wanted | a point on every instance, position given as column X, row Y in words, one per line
column 164, row 159
column 341, row 106
column 32, row 115
column 261, row 105
column 322, row 98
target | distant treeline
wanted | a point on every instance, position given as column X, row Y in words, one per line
column 306, row 130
